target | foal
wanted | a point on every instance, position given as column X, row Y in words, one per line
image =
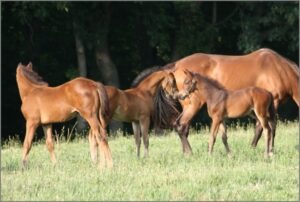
column 135, row 105
column 222, row 103
column 44, row 105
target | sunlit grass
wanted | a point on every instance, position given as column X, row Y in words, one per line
column 165, row 175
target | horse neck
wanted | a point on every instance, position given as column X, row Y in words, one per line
column 152, row 82
column 209, row 92
column 25, row 86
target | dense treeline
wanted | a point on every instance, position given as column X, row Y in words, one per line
column 113, row 41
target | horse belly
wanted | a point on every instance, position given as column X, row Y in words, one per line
column 57, row 113
column 238, row 108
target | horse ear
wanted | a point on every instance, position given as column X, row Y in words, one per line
column 29, row 66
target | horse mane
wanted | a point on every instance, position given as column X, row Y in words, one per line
column 145, row 73
column 209, row 81
column 165, row 110
column 33, row 76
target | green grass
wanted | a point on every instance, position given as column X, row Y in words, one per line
column 165, row 175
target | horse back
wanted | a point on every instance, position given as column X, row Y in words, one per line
column 263, row 68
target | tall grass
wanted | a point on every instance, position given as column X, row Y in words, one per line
column 165, row 175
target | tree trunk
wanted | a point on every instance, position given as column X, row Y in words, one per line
column 104, row 62
column 81, row 60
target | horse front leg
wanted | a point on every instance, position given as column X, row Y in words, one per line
column 144, row 125
column 30, row 130
column 272, row 125
column 137, row 137
column 182, row 126
column 49, row 141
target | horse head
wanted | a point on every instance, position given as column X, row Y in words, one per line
column 169, row 86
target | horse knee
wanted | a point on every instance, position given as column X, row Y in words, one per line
column 182, row 129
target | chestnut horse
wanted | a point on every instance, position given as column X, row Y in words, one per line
column 263, row 68
column 222, row 103
column 44, row 105
column 135, row 105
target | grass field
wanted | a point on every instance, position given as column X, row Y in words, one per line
column 165, row 175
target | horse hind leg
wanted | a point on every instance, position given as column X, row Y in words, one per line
column 267, row 134
column 213, row 134
column 93, row 147
column 258, row 133
column 101, row 139
column 30, row 130
column 105, row 147
column 223, row 130
column 137, row 137
column 49, row 141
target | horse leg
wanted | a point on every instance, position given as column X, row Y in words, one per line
column 182, row 127
column 259, row 128
column 49, row 141
column 137, row 137
column 104, row 144
column 213, row 134
column 144, row 124
column 223, row 130
column 101, row 139
column 272, row 125
column 93, row 147
column 258, row 132
column 30, row 129
column 267, row 132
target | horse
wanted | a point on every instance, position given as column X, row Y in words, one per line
column 135, row 105
column 222, row 103
column 44, row 105
column 262, row 68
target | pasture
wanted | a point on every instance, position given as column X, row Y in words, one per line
column 165, row 175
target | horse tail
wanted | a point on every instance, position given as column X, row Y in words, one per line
column 165, row 110
column 104, row 112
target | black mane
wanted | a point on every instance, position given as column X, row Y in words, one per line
column 145, row 73
column 166, row 110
